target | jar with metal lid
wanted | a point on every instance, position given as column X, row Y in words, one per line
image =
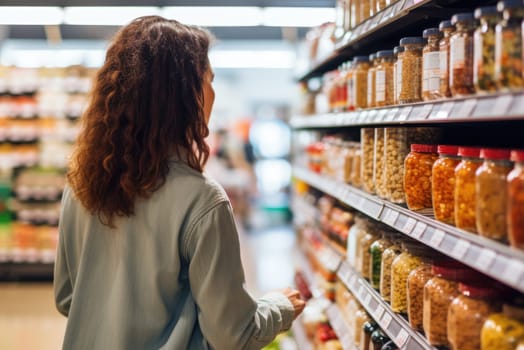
column 411, row 86
column 416, row 281
column 516, row 200
column 376, row 250
column 378, row 339
column 490, row 187
column 384, row 79
column 484, row 55
column 438, row 294
column 417, row 177
column 397, row 73
column 461, row 55
column 360, row 318
column 443, row 183
column 388, row 256
column 371, row 102
column 365, row 256
column 446, row 28
column 508, row 46
column 360, row 81
column 468, row 312
column 503, row 331
column 465, row 192
column 355, row 169
column 356, row 232
column 390, row 345
column 365, row 338
column 367, row 139
column 378, row 163
column 431, row 65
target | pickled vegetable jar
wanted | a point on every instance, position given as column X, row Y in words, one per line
column 365, row 338
column 360, row 81
column 490, row 185
column 416, row 281
column 465, row 193
column 384, row 78
column 446, row 28
column 365, row 257
column 503, row 331
column 431, row 65
column 376, row 250
column 397, row 73
column 411, row 85
column 516, row 201
column 484, row 55
column 461, row 55
column 388, row 256
column 417, row 177
column 508, row 46
column 379, row 179
column 367, row 140
column 468, row 312
column 378, row 339
column 371, row 102
column 443, row 183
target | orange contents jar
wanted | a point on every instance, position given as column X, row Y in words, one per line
column 443, row 183
column 515, row 201
column 417, row 177
column 465, row 195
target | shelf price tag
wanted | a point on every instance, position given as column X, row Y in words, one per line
column 385, row 321
column 419, row 229
column 379, row 311
column 437, row 237
column 402, row 337
column 460, row 249
column 513, row 271
column 483, row 108
column 485, row 259
column 404, row 112
column 367, row 299
column 391, row 217
column 420, row 112
column 409, row 225
column 361, row 290
column 466, row 108
column 502, row 105
column 387, row 14
column 444, row 111
column 517, row 108
column 391, row 114
column 376, row 20
column 353, row 282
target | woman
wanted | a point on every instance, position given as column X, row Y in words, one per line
column 148, row 254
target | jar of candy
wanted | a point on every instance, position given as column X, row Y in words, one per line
column 443, row 183
column 484, row 55
column 360, row 81
column 503, row 331
column 431, row 65
column 515, row 209
column 461, row 55
column 411, row 86
column 465, row 192
column 446, row 28
column 417, row 177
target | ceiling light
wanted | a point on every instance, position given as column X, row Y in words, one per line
column 297, row 16
column 215, row 16
column 30, row 15
column 106, row 15
column 281, row 59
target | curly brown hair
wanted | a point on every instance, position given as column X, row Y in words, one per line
column 146, row 107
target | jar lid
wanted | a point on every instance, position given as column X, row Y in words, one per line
column 385, row 53
column 448, row 149
column 430, row 31
column 417, row 147
column 412, row 40
column 360, row 59
column 469, row 152
column 462, row 17
column 398, row 49
column 445, row 25
column 517, row 155
column 486, row 11
column 495, row 153
column 509, row 4
column 476, row 290
column 454, row 270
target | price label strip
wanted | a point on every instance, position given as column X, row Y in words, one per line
column 404, row 113
column 484, row 108
column 460, row 249
column 367, row 299
column 485, row 259
column 502, row 105
column 409, row 225
column 391, row 217
column 385, row 321
column 514, row 271
column 419, row 229
column 444, row 111
column 466, row 108
column 379, row 311
column 437, row 237
column 517, row 107
column 401, row 338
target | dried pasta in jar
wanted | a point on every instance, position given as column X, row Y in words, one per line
column 379, row 179
column 360, row 81
column 411, row 86
column 443, row 183
column 417, row 176
column 407, row 261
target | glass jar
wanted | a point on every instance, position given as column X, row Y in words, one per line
column 378, row 339
column 438, row 294
column 417, row 176
column 356, row 232
column 365, row 255
column 360, row 81
column 416, row 281
column 431, row 65
column 371, row 102
column 378, row 163
column 503, row 331
column 516, row 201
column 367, row 139
column 390, row 345
column 384, row 79
column 376, row 250
column 443, row 184
column 508, row 46
column 361, row 317
column 355, row 13
column 381, row 4
column 465, row 192
column 490, row 186
column 411, row 85
column 484, row 55
column 468, row 312
column 355, row 171
column 461, row 55
column 372, row 7
column 347, row 156
column 348, row 80
column 364, row 10
column 397, row 73
column 388, row 256
column 446, row 28
column 365, row 338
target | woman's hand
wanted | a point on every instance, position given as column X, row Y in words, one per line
column 294, row 297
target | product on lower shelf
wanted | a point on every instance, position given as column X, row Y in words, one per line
column 465, row 192
column 503, row 331
column 516, row 201
column 416, row 281
column 387, row 259
column 443, row 183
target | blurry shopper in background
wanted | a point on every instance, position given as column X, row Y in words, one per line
column 148, row 253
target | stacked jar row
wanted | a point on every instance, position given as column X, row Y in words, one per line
column 478, row 52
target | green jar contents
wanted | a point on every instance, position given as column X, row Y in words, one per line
column 365, row 338
column 371, row 94
column 461, row 55
column 446, row 28
column 376, row 250
column 465, row 192
column 431, row 65
column 416, row 281
column 484, row 55
column 411, row 85
column 490, row 185
column 378, row 339
column 503, row 331
column 365, row 243
column 388, row 256
column 508, row 46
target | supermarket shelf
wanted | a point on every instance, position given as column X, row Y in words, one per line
column 299, row 334
column 474, row 109
column 489, row 257
column 396, row 327
column 341, row 328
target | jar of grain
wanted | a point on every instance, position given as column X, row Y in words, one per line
column 431, row 65
column 361, row 317
column 377, row 248
column 461, row 55
column 347, row 154
column 443, row 183
column 360, row 81
column 446, row 28
column 397, row 73
column 367, row 329
column 484, row 55
column 365, row 243
column 468, row 312
column 384, row 78
column 388, row 256
column 465, row 192
column 416, row 281
column 411, row 85
column 379, row 179
column 417, row 176
column 371, row 102
column 503, row 331
column 490, row 186
column 367, row 139
column 438, row 294
column 515, row 184
column 508, row 46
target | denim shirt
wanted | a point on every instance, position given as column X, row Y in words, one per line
column 168, row 277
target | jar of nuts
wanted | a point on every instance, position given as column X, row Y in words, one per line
column 484, row 55
column 379, row 179
column 365, row 255
column 417, row 177
column 397, row 73
column 443, row 183
column 490, row 186
column 472, row 307
column 360, row 81
column 446, row 28
column 355, row 169
column 411, row 86
column 384, row 79
column 416, row 281
column 388, row 256
column 431, row 65
column 461, row 55
column 396, row 151
column 516, row 201
column 503, row 331
column 371, row 101
column 367, row 140
column 376, row 250
column 465, row 193
column 438, row 294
